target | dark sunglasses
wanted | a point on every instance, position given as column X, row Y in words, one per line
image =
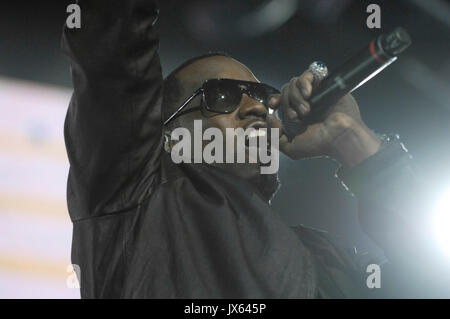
column 224, row 95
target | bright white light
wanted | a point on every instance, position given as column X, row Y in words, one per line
column 441, row 222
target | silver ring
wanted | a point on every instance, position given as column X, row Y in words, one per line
column 319, row 70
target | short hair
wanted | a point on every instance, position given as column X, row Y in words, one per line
column 173, row 88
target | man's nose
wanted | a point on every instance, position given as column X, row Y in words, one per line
column 250, row 107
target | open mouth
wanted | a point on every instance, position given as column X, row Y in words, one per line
column 255, row 136
column 259, row 132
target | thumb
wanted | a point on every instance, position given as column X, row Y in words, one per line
column 274, row 101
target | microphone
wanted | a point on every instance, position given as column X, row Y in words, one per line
column 359, row 69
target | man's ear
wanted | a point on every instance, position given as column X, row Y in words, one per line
column 167, row 142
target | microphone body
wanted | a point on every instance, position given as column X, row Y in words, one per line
column 360, row 68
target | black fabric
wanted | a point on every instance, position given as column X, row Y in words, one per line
column 198, row 234
column 371, row 175
column 147, row 228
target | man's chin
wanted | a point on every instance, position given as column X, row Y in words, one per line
column 242, row 170
column 267, row 184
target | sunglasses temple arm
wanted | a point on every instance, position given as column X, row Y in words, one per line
column 183, row 106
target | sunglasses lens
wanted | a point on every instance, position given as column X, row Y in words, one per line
column 260, row 93
column 222, row 96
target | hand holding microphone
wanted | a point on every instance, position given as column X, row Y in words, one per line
column 318, row 115
column 356, row 71
column 320, row 138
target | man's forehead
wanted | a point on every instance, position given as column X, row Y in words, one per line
column 214, row 67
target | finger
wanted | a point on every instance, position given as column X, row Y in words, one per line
column 305, row 84
column 284, row 100
column 273, row 121
column 287, row 112
column 308, row 75
column 274, row 101
column 296, row 99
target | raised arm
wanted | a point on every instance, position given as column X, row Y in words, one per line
column 113, row 124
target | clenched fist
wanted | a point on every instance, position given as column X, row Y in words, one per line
column 341, row 134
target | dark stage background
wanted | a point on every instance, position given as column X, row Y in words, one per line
column 410, row 98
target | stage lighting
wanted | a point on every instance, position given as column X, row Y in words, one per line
column 441, row 222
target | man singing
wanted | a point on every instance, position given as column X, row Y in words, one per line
column 146, row 227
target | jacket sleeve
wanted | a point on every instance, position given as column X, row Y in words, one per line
column 395, row 210
column 113, row 129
